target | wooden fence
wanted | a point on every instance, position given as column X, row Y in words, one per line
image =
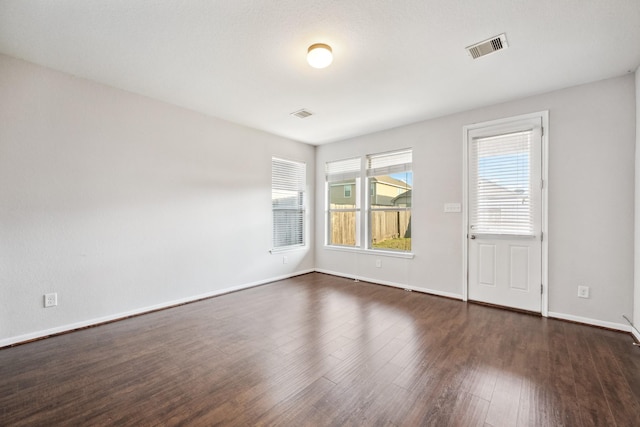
column 384, row 225
column 343, row 228
column 390, row 225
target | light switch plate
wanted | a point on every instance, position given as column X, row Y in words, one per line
column 452, row 207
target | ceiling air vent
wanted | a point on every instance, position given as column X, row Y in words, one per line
column 488, row 46
column 303, row 114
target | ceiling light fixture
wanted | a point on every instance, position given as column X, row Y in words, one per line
column 319, row 55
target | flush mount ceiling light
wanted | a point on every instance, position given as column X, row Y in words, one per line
column 319, row 55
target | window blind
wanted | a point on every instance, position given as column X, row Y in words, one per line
column 288, row 182
column 389, row 163
column 343, row 170
column 500, row 193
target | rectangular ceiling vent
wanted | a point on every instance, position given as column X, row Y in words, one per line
column 488, row 46
column 303, row 114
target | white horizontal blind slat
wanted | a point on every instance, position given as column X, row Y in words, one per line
column 288, row 228
column 288, row 182
column 342, row 170
column 389, row 163
column 288, row 175
column 500, row 195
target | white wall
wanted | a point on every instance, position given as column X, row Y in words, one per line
column 591, row 197
column 636, row 300
column 120, row 203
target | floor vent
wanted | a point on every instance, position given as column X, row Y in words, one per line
column 303, row 114
column 488, row 46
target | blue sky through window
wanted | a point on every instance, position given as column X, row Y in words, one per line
column 404, row 177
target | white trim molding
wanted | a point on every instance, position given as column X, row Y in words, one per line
column 376, row 252
column 20, row 339
column 583, row 320
column 392, row 284
column 593, row 322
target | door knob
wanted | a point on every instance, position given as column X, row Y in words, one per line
column 472, row 237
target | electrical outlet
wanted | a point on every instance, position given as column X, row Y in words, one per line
column 50, row 300
column 583, row 291
column 378, row 263
column 285, row 259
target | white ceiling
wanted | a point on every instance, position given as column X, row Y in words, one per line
column 395, row 61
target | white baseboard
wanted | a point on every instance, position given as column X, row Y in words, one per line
column 393, row 284
column 604, row 324
column 97, row 321
column 585, row 320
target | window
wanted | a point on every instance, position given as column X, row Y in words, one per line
column 288, row 182
column 343, row 206
column 389, row 205
column 389, row 180
column 501, row 195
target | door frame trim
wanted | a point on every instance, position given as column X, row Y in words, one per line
column 466, row 129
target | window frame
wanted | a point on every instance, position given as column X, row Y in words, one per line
column 336, row 173
column 371, row 173
column 294, row 182
column 363, row 198
column 509, row 219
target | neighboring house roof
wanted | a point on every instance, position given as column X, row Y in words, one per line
column 385, row 179
column 405, row 195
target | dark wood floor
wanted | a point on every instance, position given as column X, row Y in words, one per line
column 319, row 350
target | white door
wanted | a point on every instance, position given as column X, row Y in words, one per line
column 504, row 170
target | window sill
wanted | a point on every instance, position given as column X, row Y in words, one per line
column 287, row 249
column 377, row 252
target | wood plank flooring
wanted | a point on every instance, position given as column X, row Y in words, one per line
column 318, row 350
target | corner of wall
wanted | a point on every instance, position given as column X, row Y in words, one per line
column 636, row 256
